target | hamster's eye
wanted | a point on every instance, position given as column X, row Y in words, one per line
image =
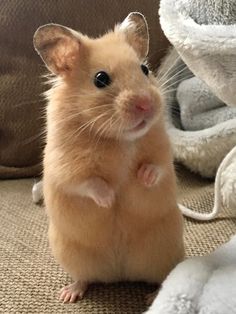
column 101, row 79
column 144, row 68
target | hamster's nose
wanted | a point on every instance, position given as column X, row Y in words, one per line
column 142, row 104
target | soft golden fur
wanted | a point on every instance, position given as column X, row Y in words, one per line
column 139, row 235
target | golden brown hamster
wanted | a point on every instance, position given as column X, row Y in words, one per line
column 109, row 182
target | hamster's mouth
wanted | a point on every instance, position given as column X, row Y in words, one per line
column 138, row 130
column 139, row 126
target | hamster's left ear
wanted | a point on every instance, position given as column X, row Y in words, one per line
column 135, row 29
column 58, row 46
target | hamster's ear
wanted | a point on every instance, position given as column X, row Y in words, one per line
column 136, row 30
column 58, row 46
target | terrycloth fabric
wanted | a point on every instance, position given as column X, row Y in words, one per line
column 203, row 151
column 201, row 285
column 30, row 279
column 228, row 184
column 199, row 107
column 209, row 51
column 217, row 12
column 206, row 51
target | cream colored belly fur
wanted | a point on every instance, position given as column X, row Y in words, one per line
column 136, row 239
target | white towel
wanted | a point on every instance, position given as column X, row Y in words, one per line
column 201, row 285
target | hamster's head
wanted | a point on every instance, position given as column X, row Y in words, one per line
column 107, row 87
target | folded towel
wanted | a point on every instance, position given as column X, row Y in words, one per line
column 203, row 285
column 199, row 107
column 201, row 80
column 200, row 86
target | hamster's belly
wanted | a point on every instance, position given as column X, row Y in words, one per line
column 121, row 243
column 151, row 229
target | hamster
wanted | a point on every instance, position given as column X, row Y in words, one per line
column 109, row 183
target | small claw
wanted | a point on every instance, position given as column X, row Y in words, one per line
column 63, row 294
column 67, row 297
column 73, row 297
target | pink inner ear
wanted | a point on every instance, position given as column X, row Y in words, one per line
column 136, row 31
column 65, row 55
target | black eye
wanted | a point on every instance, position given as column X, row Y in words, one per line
column 101, row 79
column 144, row 68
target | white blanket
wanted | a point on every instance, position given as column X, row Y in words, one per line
column 201, row 285
column 208, row 52
column 201, row 74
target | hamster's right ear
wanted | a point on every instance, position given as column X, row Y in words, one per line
column 58, row 46
column 135, row 29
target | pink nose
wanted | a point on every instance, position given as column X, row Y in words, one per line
column 143, row 104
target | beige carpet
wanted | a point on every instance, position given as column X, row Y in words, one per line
column 30, row 279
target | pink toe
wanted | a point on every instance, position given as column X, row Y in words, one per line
column 152, row 178
column 63, row 289
column 67, row 298
column 63, row 294
column 73, row 297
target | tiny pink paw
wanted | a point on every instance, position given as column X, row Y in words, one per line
column 99, row 191
column 148, row 174
column 105, row 198
column 102, row 194
column 73, row 292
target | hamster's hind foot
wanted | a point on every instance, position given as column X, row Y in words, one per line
column 73, row 292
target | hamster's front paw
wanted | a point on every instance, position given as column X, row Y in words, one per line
column 148, row 174
column 99, row 190
column 105, row 198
